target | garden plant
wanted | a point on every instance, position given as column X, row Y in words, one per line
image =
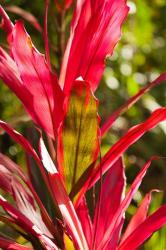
column 85, row 190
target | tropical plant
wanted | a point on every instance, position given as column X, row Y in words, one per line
column 49, row 204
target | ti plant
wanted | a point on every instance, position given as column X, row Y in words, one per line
column 64, row 108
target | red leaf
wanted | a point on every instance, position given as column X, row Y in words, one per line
column 28, row 75
column 65, row 205
column 11, row 245
column 153, row 223
column 26, row 224
column 113, row 241
column 107, row 125
column 8, row 173
column 110, row 199
column 95, row 30
column 127, row 140
column 12, row 167
column 124, row 205
column 22, row 196
column 139, row 217
column 27, row 147
column 84, row 217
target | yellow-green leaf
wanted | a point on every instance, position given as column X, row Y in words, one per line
column 78, row 142
column 68, row 243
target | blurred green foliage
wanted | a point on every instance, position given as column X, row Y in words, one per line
column 139, row 58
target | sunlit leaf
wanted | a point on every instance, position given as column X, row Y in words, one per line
column 78, row 145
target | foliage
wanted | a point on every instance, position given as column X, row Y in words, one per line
column 51, row 207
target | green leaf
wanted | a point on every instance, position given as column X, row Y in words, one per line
column 78, row 142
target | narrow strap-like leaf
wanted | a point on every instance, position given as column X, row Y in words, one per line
column 111, row 197
column 65, row 205
column 126, row 141
column 116, row 220
column 153, row 223
column 139, row 216
column 84, row 217
column 26, row 224
column 112, row 118
column 11, row 245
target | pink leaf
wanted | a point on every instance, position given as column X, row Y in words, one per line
column 153, row 223
column 95, row 30
column 139, row 217
column 8, row 173
column 111, row 196
column 11, row 245
column 22, row 196
column 124, row 205
column 113, row 241
column 27, row 147
column 65, row 205
column 84, row 217
column 26, row 224
column 28, row 75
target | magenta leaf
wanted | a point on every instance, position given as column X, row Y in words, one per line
column 126, row 141
column 139, row 216
column 11, row 245
column 24, row 195
column 145, row 229
column 96, row 28
column 65, row 205
column 110, row 199
column 21, row 220
column 84, row 217
column 124, row 205
column 28, row 75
